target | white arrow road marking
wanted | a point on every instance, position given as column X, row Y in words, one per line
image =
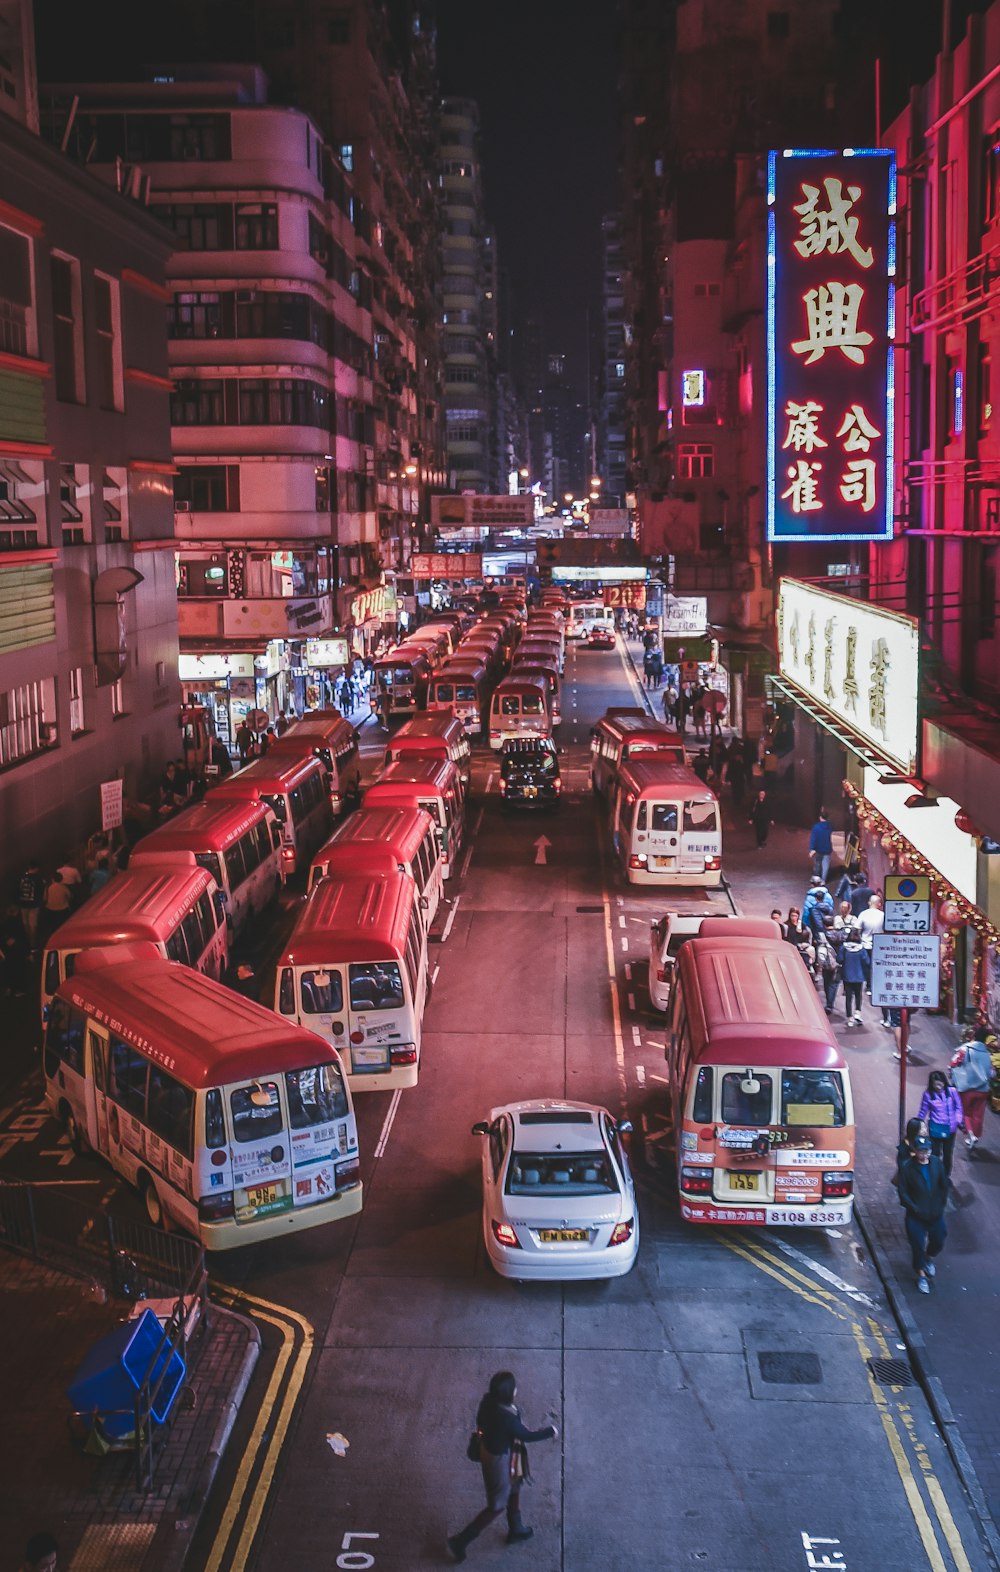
column 543, row 843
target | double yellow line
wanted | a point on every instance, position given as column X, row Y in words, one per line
column 252, row 1485
column 894, row 1412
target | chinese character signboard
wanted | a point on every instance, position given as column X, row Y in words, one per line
column 632, row 596
column 831, row 261
column 858, row 662
column 906, row 970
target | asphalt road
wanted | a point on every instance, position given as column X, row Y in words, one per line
column 716, row 1408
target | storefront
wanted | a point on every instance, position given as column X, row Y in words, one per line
column 372, row 619
column 850, row 670
column 232, row 686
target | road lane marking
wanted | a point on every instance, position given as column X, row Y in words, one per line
column 624, row 942
column 631, row 1001
column 621, row 922
column 390, row 1115
column 628, row 971
column 434, row 974
column 451, row 918
column 825, row 1273
column 636, row 1037
column 640, row 1074
column 489, row 780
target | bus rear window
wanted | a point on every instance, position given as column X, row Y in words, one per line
column 532, row 704
column 465, row 695
column 665, row 816
column 510, row 704
column 699, row 814
column 376, row 987
column 276, row 801
column 742, row 1106
column 322, row 992
column 315, row 1096
column 256, row 1112
column 812, row 1097
column 445, row 693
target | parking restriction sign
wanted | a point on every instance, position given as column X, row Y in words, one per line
column 907, row 903
column 906, row 970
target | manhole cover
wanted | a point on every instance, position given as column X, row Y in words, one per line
column 795, row 1369
column 891, row 1372
column 590, row 908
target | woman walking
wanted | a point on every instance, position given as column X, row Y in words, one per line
column 760, row 818
column 501, row 1437
column 852, row 970
column 941, row 1107
column 971, row 1073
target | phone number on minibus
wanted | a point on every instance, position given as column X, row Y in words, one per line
column 773, row 1216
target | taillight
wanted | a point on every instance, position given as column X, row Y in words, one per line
column 403, row 1053
column 503, row 785
column 661, row 975
column 621, row 1233
column 712, row 863
column 349, row 1173
column 838, row 1184
column 213, row 1208
column 504, row 1234
column 336, row 801
column 697, row 1181
column 637, row 860
column 288, row 853
column 557, row 785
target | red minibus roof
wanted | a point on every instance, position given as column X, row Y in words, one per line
column 422, row 770
column 414, row 655
column 198, row 1030
column 205, row 826
column 518, row 684
column 145, row 902
column 358, row 918
column 751, row 1001
column 392, row 835
column 276, row 775
column 448, row 727
column 318, row 727
column 648, row 775
column 470, row 665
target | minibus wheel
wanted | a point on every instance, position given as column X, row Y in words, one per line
column 154, row 1206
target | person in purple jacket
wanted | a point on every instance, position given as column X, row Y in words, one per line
column 941, row 1108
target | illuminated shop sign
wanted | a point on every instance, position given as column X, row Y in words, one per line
column 831, row 264
column 326, row 652
column 857, row 662
column 214, row 667
column 692, row 388
column 597, row 574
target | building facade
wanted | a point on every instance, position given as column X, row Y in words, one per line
column 88, row 606
column 469, row 299
column 611, row 449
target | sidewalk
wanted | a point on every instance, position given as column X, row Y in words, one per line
column 91, row 1504
column 952, row 1334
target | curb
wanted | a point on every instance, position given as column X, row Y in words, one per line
column 177, row 1549
column 933, row 1390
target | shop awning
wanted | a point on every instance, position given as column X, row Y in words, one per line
column 822, row 717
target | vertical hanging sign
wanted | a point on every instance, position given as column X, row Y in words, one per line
column 830, row 322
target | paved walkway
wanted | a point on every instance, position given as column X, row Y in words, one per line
column 953, row 1333
column 101, row 1521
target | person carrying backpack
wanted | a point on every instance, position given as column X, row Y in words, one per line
column 971, row 1073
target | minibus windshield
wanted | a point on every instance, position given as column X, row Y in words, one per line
column 277, row 802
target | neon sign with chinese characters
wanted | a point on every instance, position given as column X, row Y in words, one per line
column 830, row 304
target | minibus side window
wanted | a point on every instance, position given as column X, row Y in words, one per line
column 251, row 854
column 64, row 1038
column 701, row 1108
column 640, row 818
column 315, row 1096
column 176, row 947
column 215, row 1129
column 411, row 954
column 210, row 861
column 256, row 1111
column 445, row 693
column 286, row 992
column 129, row 1071
column 235, row 866
column 193, row 934
column 297, row 805
column 51, row 971
column 262, row 843
column 276, row 801
column 170, row 1111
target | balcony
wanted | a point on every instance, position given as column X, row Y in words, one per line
column 253, row 623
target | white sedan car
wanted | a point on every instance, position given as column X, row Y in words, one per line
column 558, row 1198
column 665, row 940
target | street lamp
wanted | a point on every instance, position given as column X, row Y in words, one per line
column 567, row 496
column 596, row 482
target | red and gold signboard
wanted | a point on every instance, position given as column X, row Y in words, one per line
column 632, row 596
column 831, row 263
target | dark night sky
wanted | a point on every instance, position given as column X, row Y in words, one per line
column 544, row 75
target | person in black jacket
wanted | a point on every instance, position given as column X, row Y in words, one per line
column 500, row 1426
column 923, row 1191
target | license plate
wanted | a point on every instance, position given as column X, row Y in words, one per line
column 262, row 1195
column 563, row 1235
column 531, row 791
column 744, row 1181
column 663, row 862
column 369, row 1058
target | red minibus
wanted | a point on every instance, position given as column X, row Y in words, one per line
column 384, row 839
column 334, row 741
column 399, row 681
column 439, row 735
column 238, row 842
column 434, row 785
column 521, row 707
column 462, row 686
column 296, row 790
column 623, row 735
column 530, row 663
column 760, row 1090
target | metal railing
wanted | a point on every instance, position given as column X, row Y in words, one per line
column 132, row 1261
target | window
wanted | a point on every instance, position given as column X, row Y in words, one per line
column 695, row 461
column 118, row 699
column 200, row 403
column 699, row 815
column 27, row 720
column 14, row 480
column 129, row 1073
column 77, row 713
column 256, row 1112
column 17, row 316
column 215, row 1128
column 210, row 861
column 322, row 992
column 740, row 1106
column 64, row 1038
column 204, row 576
column 256, row 226
column 567, row 1173
column 811, row 1097
column 235, row 867
column 170, row 1113
column 376, row 987
column 198, row 136
column 316, row 1096
column 207, row 488
column 701, row 1107
column 195, row 315
column 664, row 817
column 498, row 1145
column 67, row 329
column 199, row 226
column 114, row 495
column 108, row 329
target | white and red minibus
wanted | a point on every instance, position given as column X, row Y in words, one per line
column 665, row 825
column 760, row 1090
column 230, row 1122
column 175, row 906
column 383, row 840
column 528, row 662
column 238, row 842
column 295, row 788
column 463, row 687
column 438, row 736
column 355, row 970
column 334, row 741
column 623, row 735
column 433, row 785
column 521, row 707
column 399, row 681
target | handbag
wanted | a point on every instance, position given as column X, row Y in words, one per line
column 937, row 1131
column 473, row 1451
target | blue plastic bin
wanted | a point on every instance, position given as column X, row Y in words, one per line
column 110, row 1375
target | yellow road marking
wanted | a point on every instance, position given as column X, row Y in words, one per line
column 763, row 1265
column 286, row 1322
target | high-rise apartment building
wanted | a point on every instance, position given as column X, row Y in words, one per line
column 469, row 298
column 611, row 413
